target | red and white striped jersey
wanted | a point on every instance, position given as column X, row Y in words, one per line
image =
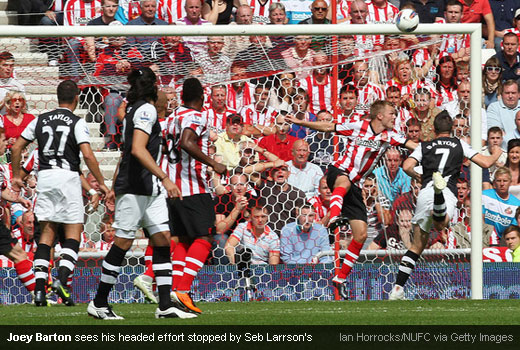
column 343, row 9
column 364, row 148
column 320, row 95
column 252, row 117
column 27, row 246
column 410, row 88
column 351, row 118
column 260, row 11
column 446, row 95
column 58, row 5
column 385, row 14
column 419, row 59
column 31, row 163
column 217, row 121
column 452, row 43
column 368, row 43
column 368, row 94
column 319, row 207
column 170, row 10
column 512, row 30
column 186, row 172
column 79, row 13
column 102, row 246
column 403, row 115
column 238, row 100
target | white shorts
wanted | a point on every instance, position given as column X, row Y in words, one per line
column 424, row 207
column 135, row 211
column 59, row 197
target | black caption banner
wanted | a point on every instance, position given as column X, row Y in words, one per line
column 260, row 337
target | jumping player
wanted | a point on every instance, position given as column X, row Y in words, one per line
column 441, row 161
column 193, row 218
column 367, row 141
column 61, row 136
column 140, row 199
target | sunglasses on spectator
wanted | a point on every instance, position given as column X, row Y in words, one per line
column 493, row 69
column 20, row 99
column 320, row 9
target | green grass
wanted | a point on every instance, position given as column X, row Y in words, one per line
column 428, row 312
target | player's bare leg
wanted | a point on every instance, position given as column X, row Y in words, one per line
column 359, row 236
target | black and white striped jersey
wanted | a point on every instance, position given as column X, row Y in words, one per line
column 59, row 134
column 133, row 177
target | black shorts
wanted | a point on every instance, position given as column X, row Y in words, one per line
column 353, row 206
column 193, row 216
column 7, row 241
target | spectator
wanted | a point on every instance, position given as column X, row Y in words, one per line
column 172, row 100
column 235, row 44
column 391, row 178
column 321, row 202
column 173, row 58
column 300, row 109
column 503, row 14
column 240, row 91
column 193, row 17
column 367, row 92
column 377, row 206
column 219, row 12
column 425, row 113
column 214, row 63
column 259, row 59
column 446, row 81
column 53, row 17
column 299, row 57
column 397, row 235
column 7, row 82
column 502, row 113
column 303, row 175
column 455, row 45
column 277, row 15
column 231, row 209
column 413, row 130
column 319, row 10
column 429, row 12
column 280, row 143
column 23, row 231
column 348, row 100
column 513, row 164
column 515, row 133
column 16, row 118
column 108, row 13
column 256, row 236
column 393, row 95
column 131, row 9
column 499, row 206
column 77, row 13
column 491, row 81
column 280, row 198
column 319, row 84
column 302, row 240
column 495, row 138
column 259, row 116
column 381, row 11
column 29, row 11
column 322, row 145
column 512, row 238
column 477, row 10
column 284, row 91
column 249, row 164
column 107, row 234
column 112, row 66
column 509, row 57
column 218, row 112
column 228, row 142
column 145, row 44
column 363, row 43
column 260, row 11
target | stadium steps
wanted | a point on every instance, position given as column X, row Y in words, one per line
column 29, row 59
column 40, row 86
column 37, row 72
column 15, row 45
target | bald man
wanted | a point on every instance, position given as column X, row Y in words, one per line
column 303, row 174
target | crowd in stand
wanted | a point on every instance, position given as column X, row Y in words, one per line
column 275, row 201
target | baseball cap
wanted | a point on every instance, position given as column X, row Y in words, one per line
column 234, row 118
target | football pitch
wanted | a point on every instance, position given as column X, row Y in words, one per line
column 420, row 312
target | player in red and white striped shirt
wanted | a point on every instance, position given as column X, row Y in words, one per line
column 258, row 114
column 319, row 85
column 217, row 114
column 194, row 215
column 365, row 144
column 171, row 10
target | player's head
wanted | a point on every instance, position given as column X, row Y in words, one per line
column 142, row 85
column 384, row 111
column 512, row 237
column 443, row 123
column 192, row 91
column 67, row 92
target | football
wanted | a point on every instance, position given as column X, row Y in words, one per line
column 407, row 20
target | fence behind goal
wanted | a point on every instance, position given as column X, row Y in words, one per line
column 262, row 77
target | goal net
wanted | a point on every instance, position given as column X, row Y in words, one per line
column 250, row 83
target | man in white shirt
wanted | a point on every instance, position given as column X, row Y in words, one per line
column 303, row 174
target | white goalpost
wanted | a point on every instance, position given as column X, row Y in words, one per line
column 474, row 30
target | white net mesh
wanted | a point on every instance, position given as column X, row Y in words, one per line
column 260, row 79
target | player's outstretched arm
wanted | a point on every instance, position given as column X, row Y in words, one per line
column 189, row 144
column 320, row 126
column 487, row 161
column 408, row 167
column 139, row 151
